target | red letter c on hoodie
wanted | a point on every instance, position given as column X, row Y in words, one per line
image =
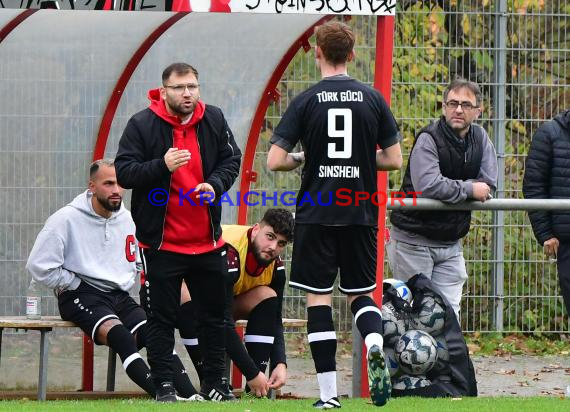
column 130, row 248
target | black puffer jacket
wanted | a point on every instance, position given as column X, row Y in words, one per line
column 457, row 161
column 547, row 176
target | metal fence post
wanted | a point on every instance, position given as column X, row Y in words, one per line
column 356, row 362
column 499, row 107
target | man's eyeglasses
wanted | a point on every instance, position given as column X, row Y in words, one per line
column 454, row 104
column 181, row 88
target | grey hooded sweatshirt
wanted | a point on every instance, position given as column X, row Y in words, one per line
column 76, row 244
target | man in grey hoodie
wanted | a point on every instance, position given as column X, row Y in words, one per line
column 87, row 253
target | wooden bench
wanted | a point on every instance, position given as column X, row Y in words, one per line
column 47, row 323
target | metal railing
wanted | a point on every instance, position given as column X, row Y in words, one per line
column 498, row 258
column 492, row 204
column 512, row 286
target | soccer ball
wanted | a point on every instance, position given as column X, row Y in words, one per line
column 416, row 352
column 431, row 317
column 393, row 325
column 402, row 289
column 391, row 361
column 410, row 382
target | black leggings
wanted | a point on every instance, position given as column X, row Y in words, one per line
column 205, row 276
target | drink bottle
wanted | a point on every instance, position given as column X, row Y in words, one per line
column 34, row 301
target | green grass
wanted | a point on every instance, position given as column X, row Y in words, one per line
column 400, row 405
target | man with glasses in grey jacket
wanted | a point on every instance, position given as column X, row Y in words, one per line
column 452, row 160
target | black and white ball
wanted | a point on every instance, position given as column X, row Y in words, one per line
column 393, row 325
column 402, row 289
column 431, row 316
column 406, row 382
column 416, row 352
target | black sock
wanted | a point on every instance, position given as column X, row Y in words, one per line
column 260, row 332
column 322, row 340
column 238, row 354
column 189, row 335
column 123, row 343
column 368, row 319
column 182, row 381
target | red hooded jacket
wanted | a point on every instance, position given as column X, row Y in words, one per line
column 187, row 226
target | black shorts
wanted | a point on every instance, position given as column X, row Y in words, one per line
column 320, row 251
column 89, row 307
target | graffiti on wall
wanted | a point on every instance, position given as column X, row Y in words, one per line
column 350, row 7
column 365, row 7
column 158, row 5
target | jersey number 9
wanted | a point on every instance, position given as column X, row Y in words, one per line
column 345, row 133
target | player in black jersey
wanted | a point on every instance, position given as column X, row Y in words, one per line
column 339, row 123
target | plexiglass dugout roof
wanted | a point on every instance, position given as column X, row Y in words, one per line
column 58, row 70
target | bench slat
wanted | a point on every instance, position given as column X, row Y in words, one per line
column 46, row 322
column 294, row 323
column 56, row 322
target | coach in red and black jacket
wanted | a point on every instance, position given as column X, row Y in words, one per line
column 172, row 151
column 141, row 166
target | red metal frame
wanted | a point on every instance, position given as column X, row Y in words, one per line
column 119, row 88
column 15, row 22
column 382, row 82
column 248, row 175
column 99, row 152
column 87, row 365
column 269, row 94
column 181, row 5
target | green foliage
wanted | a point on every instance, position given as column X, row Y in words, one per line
column 497, row 344
column 435, row 41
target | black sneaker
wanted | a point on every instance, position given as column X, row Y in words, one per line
column 332, row 403
column 217, row 393
column 166, row 392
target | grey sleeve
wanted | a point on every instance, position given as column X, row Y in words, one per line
column 488, row 173
column 427, row 178
column 46, row 261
